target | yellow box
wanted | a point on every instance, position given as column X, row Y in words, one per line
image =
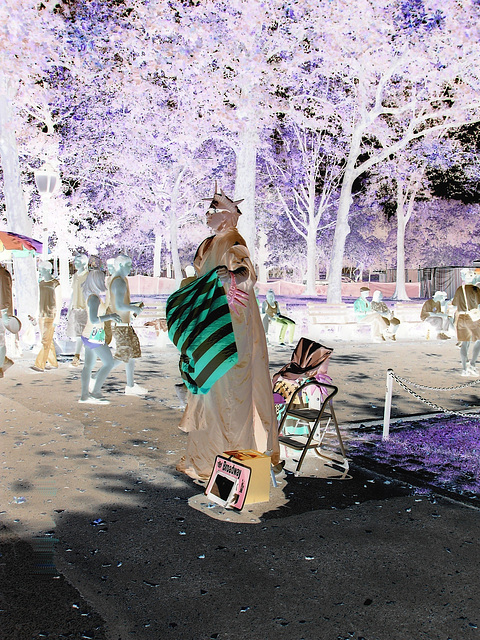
column 260, row 477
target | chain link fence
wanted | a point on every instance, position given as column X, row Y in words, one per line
column 406, row 386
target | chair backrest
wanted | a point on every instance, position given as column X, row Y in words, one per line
column 326, row 391
column 308, row 359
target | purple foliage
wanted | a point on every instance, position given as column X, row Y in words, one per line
column 446, row 447
column 412, row 17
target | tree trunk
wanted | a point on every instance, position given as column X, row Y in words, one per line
column 177, row 267
column 245, row 180
column 26, row 286
column 311, row 261
column 400, row 289
column 157, row 256
column 342, row 229
column 262, row 255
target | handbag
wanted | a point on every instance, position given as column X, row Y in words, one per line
column 474, row 314
column 97, row 335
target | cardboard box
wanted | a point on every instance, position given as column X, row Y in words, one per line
column 260, row 478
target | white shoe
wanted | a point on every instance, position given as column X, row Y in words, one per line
column 93, row 400
column 472, row 371
column 464, row 372
column 136, row 390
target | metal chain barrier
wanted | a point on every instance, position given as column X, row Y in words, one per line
column 423, row 386
column 403, row 383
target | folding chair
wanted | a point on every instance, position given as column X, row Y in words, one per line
column 295, row 401
column 318, row 421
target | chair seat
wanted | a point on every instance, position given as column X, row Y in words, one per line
column 296, row 443
column 317, row 437
column 309, row 415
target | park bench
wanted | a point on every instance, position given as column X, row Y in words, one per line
column 149, row 324
column 336, row 321
column 408, row 312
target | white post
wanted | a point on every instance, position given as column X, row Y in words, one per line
column 388, row 405
column 45, row 219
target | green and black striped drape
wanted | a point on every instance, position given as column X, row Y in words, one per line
column 200, row 326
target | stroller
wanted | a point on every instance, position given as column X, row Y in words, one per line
column 303, row 396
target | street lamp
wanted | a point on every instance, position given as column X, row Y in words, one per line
column 46, row 180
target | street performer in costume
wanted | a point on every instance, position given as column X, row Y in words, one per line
column 230, row 404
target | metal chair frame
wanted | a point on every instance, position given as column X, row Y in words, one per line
column 325, row 412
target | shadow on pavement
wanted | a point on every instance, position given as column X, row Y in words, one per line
column 155, row 568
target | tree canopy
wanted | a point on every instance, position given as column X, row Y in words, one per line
column 299, row 108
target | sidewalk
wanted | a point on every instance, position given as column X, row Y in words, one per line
column 351, row 559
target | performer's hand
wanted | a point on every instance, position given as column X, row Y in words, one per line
column 236, row 297
column 223, row 273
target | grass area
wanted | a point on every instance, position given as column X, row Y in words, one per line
column 443, row 452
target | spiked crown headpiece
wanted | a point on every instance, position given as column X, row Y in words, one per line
column 222, row 201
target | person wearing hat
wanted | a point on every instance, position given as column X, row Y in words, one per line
column 378, row 306
column 365, row 314
column 237, row 411
column 434, row 315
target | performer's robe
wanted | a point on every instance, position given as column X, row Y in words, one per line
column 238, row 411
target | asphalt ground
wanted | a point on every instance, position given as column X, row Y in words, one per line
column 106, row 545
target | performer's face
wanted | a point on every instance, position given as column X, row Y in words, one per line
column 214, row 216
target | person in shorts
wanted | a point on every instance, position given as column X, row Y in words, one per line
column 127, row 344
column 467, row 322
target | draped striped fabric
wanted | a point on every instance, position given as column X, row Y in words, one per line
column 200, row 326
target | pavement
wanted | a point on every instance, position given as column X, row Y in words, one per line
column 98, row 537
